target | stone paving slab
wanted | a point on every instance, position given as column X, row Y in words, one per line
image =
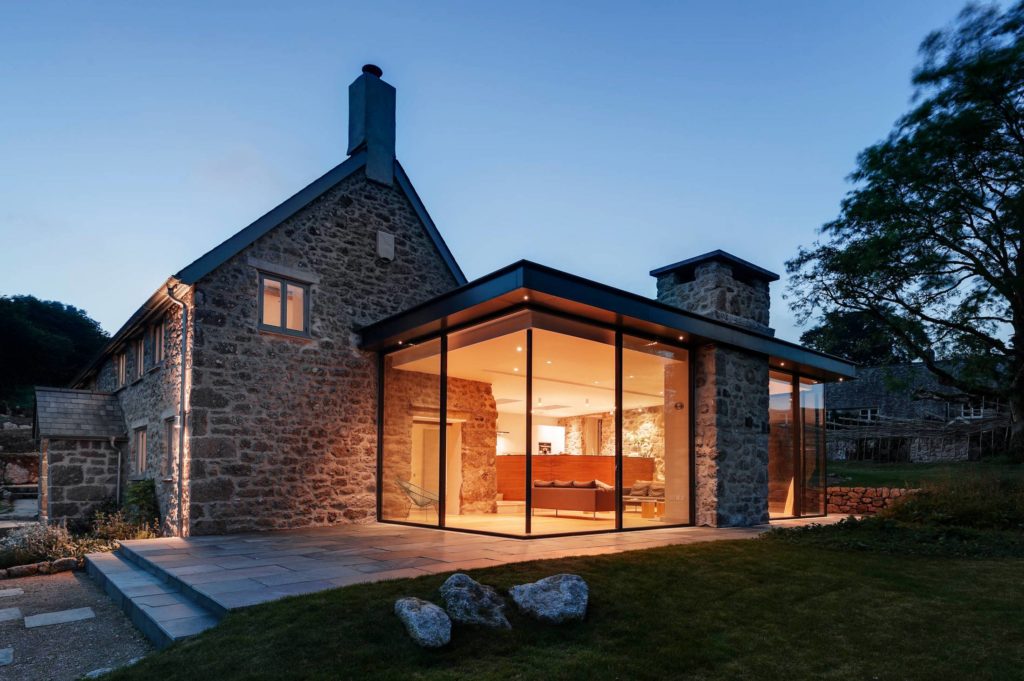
column 60, row 617
column 8, row 614
column 5, row 593
column 6, row 656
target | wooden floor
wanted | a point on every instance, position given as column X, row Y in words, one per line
column 544, row 522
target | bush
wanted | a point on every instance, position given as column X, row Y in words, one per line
column 987, row 502
column 140, row 502
column 38, row 542
column 116, row 525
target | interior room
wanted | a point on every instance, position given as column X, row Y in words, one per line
column 531, row 431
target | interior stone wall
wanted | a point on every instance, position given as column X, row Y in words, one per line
column 731, row 440
column 411, row 395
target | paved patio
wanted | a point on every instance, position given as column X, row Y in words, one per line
column 237, row 571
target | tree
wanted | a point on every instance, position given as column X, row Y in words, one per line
column 930, row 236
column 42, row 342
column 858, row 337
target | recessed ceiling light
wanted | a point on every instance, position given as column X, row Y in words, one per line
column 681, row 338
column 519, row 348
column 548, row 362
column 597, row 382
column 526, row 297
column 631, row 376
column 399, row 342
column 515, row 369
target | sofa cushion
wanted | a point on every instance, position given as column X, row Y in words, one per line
column 588, row 484
column 543, row 483
column 603, row 485
column 562, row 483
column 639, row 488
column 657, row 490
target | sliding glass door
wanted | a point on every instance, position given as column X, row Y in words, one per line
column 797, row 484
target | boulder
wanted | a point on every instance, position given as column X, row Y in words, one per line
column 555, row 599
column 22, row 570
column 467, row 601
column 427, row 624
column 63, row 564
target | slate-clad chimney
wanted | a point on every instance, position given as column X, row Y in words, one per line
column 721, row 286
column 371, row 123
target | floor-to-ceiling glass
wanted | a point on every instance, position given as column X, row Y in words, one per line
column 782, row 441
column 812, row 410
column 410, row 446
column 656, row 466
column 573, row 427
column 485, row 479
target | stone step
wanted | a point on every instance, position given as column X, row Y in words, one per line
column 156, row 606
column 139, row 559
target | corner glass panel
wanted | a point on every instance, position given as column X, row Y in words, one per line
column 271, row 302
column 485, row 470
column 782, row 460
column 574, row 440
column 812, row 410
column 656, row 483
column 411, row 443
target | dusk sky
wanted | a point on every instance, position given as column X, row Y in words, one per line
column 603, row 139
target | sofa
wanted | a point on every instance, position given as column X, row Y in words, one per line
column 586, row 496
column 641, row 491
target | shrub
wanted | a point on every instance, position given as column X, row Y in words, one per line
column 38, row 542
column 111, row 526
column 140, row 502
column 980, row 502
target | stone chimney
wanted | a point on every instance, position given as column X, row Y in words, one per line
column 371, row 123
column 721, row 286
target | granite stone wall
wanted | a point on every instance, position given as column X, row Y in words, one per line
column 713, row 292
column 411, row 395
column 150, row 401
column 731, row 441
column 80, row 477
column 283, row 429
column 864, row 500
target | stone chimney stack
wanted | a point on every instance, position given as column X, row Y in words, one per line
column 371, row 123
column 721, row 286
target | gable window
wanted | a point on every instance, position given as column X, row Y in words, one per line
column 140, row 357
column 121, row 367
column 139, row 452
column 284, row 305
column 157, row 334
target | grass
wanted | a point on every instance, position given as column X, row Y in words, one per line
column 762, row 609
column 865, row 474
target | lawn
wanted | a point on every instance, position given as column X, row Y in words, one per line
column 866, row 474
column 750, row 609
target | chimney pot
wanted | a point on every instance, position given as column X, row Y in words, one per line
column 373, row 69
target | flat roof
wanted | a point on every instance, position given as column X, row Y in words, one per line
column 527, row 284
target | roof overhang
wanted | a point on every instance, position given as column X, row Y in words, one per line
column 527, row 284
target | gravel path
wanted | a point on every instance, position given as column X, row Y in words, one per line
column 65, row 651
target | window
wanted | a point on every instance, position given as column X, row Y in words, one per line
column 140, row 357
column 121, row 367
column 170, row 446
column 284, row 305
column 870, row 414
column 974, row 409
column 139, row 453
column 157, row 334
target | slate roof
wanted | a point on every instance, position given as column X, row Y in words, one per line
column 83, row 414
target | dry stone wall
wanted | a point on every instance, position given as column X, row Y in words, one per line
column 283, row 429
column 864, row 500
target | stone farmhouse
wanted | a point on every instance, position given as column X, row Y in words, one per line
column 330, row 363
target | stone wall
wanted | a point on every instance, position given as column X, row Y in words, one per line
column 863, row 500
column 19, row 469
column 283, row 428
column 411, row 395
column 149, row 402
column 714, row 292
column 80, row 477
column 731, row 441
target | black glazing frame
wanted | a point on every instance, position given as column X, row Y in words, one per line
column 799, row 452
column 443, row 421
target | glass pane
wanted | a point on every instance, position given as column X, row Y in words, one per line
column 485, row 478
column 296, row 309
column 411, row 443
column 573, row 429
column 812, row 409
column 781, row 442
column 655, row 434
column 271, row 302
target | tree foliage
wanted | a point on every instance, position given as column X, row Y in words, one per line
column 929, row 238
column 42, row 342
column 858, row 337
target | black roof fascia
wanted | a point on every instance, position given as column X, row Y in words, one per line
column 435, row 234
column 227, row 249
column 742, row 269
column 541, row 279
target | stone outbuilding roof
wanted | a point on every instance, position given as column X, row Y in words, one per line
column 79, row 414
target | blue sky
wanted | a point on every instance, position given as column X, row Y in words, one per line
column 604, row 139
